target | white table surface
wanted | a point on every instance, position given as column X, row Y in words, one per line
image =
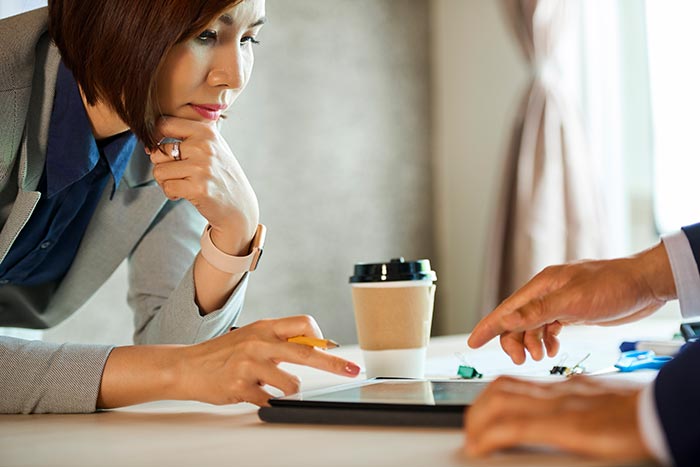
column 188, row 433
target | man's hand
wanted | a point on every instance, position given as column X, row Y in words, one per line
column 580, row 415
column 606, row 293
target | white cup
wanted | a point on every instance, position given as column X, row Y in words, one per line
column 394, row 317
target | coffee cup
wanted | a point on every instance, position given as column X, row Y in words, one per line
column 393, row 305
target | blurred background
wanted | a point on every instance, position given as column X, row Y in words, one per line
column 492, row 137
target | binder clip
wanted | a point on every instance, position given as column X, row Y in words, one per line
column 566, row 371
column 559, row 368
column 466, row 371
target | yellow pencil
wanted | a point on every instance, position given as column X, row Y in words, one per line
column 314, row 342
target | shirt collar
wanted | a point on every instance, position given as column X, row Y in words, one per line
column 72, row 151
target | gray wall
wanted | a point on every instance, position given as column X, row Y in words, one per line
column 334, row 134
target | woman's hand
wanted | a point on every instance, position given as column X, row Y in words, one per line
column 588, row 292
column 580, row 415
column 208, row 176
column 225, row 370
column 235, row 367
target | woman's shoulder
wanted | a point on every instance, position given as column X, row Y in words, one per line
column 19, row 36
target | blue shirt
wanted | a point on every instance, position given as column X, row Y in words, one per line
column 76, row 173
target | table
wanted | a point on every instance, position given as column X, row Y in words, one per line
column 189, row 433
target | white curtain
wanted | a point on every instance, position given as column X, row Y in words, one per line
column 550, row 210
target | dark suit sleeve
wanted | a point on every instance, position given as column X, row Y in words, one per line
column 677, row 396
column 693, row 234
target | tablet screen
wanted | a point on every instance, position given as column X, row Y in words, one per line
column 405, row 392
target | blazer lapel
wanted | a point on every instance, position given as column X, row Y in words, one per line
column 34, row 141
column 116, row 227
column 117, row 224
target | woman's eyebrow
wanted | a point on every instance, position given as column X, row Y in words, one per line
column 228, row 21
column 259, row 22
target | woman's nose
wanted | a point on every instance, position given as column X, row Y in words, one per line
column 228, row 71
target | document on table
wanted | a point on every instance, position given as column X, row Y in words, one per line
column 493, row 362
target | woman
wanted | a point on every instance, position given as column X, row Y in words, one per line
column 98, row 100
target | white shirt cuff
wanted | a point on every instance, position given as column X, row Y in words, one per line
column 650, row 426
column 685, row 272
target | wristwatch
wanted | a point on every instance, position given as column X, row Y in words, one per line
column 229, row 263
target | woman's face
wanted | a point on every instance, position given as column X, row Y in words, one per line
column 201, row 77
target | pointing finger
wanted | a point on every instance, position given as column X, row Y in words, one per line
column 493, row 325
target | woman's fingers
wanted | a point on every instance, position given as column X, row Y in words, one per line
column 274, row 376
column 255, row 394
column 175, row 127
column 309, row 356
column 235, row 366
column 301, row 325
column 178, row 129
column 173, row 170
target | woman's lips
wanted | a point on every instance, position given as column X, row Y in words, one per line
column 210, row 112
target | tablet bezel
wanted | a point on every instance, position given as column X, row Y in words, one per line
column 296, row 410
column 298, row 399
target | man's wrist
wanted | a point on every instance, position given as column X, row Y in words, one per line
column 655, row 267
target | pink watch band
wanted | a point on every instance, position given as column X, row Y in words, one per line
column 233, row 264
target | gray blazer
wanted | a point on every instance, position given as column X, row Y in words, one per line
column 160, row 238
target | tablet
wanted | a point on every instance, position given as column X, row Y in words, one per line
column 378, row 401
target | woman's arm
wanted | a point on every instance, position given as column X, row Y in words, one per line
column 43, row 377
column 209, row 176
column 228, row 369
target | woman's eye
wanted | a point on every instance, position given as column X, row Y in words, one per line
column 249, row 39
column 208, row 36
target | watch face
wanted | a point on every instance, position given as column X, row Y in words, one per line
column 259, row 239
column 257, row 247
column 256, row 259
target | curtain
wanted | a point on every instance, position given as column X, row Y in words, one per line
column 549, row 210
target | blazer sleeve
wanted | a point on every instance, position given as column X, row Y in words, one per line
column 161, row 282
column 676, row 391
column 41, row 377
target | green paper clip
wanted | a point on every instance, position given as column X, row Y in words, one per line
column 468, row 372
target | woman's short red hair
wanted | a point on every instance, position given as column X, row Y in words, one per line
column 115, row 47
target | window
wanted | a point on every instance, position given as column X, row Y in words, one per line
column 674, row 72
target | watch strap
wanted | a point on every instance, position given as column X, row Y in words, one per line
column 229, row 263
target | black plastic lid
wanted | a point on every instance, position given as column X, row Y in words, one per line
column 395, row 270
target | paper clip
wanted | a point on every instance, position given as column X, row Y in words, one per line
column 466, row 371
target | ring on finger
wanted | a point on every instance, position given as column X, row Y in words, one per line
column 175, row 150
